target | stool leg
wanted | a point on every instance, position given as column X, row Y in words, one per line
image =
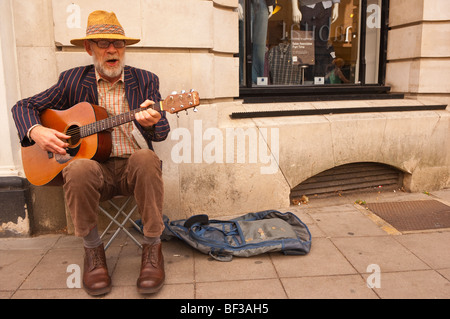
column 119, row 211
column 122, row 211
column 120, row 226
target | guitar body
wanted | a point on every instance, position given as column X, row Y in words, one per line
column 42, row 167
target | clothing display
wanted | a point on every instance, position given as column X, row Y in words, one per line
column 260, row 18
column 259, row 25
column 326, row 3
column 282, row 68
column 318, row 20
column 284, row 63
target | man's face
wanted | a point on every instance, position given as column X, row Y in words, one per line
column 109, row 61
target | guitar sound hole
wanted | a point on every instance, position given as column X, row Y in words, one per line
column 74, row 132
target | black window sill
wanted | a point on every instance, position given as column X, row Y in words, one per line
column 308, row 93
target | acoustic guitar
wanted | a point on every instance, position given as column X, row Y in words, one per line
column 89, row 127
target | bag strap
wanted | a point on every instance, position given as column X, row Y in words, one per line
column 221, row 256
column 201, row 219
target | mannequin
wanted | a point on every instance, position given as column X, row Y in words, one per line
column 317, row 16
column 262, row 10
column 240, row 10
column 297, row 15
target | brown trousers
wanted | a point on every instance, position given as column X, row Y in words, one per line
column 87, row 183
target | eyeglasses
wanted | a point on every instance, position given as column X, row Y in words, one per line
column 104, row 44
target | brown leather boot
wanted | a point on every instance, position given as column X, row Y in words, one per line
column 151, row 278
column 96, row 280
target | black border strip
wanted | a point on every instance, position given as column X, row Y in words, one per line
column 244, row 115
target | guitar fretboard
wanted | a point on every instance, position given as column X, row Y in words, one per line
column 110, row 122
column 173, row 104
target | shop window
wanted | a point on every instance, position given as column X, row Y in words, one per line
column 311, row 43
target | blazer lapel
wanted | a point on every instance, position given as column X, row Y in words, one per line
column 132, row 91
column 89, row 87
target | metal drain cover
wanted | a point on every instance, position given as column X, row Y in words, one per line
column 413, row 215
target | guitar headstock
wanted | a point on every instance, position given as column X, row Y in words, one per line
column 177, row 102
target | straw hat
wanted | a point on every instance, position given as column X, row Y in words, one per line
column 104, row 25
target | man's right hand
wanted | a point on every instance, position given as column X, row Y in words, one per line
column 49, row 139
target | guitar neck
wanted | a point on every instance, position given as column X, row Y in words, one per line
column 174, row 103
column 113, row 121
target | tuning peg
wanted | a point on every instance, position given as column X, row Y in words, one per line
column 183, row 91
column 192, row 90
column 186, row 112
column 174, row 92
column 195, row 109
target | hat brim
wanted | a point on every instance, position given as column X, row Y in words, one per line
column 128, row 41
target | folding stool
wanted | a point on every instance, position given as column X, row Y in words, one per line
column 120, row 212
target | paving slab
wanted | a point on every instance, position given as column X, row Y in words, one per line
column 432, row 248
column 328, row 287
column 385, row 252
column 323, row 252
column 422, row 284
column 244, row 289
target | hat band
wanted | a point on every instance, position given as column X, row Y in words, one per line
column 105, row 29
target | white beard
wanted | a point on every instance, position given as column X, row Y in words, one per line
column 107, row 71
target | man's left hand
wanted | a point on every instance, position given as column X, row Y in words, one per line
column 149, row 116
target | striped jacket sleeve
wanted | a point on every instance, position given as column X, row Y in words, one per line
column 26, row 112
column 150, row 83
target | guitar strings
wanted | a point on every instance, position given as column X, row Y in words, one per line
column 76, row 132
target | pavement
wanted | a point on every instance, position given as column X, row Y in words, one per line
column 353, row 256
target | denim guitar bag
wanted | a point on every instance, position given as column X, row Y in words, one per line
column 245, row 236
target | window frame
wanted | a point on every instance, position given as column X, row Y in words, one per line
column 250, row 93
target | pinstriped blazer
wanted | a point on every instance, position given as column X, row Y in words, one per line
column 79, row 85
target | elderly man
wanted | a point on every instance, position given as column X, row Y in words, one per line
column 130, row 170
